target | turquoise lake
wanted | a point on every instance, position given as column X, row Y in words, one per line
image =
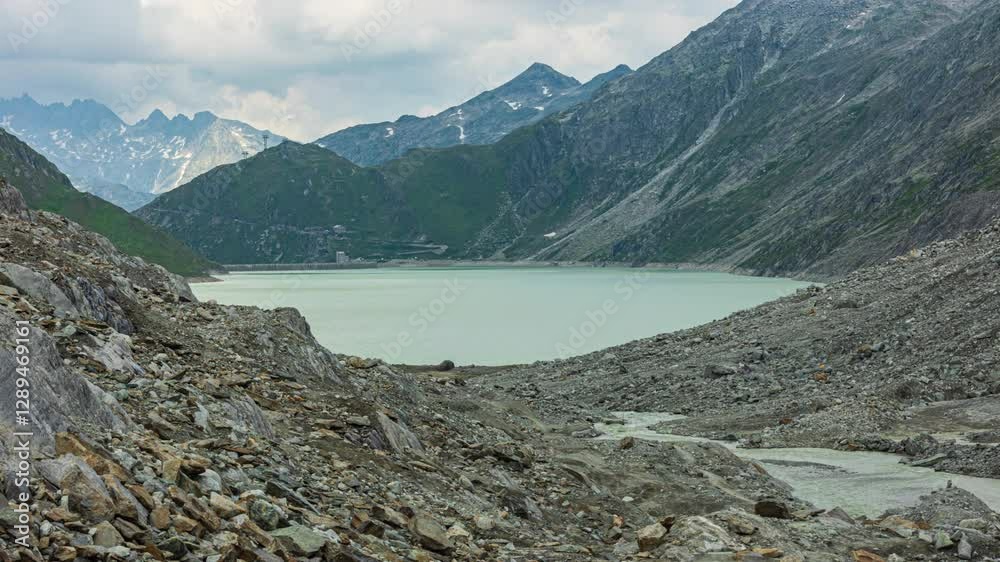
column 494, row 316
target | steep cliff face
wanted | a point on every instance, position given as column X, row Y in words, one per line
column 786, row 137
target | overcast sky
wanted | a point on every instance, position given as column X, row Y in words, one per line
column 304, row 68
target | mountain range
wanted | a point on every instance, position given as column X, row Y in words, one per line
column 45, row 188
column 787, row 137
column 128, row 164
column 533, row 95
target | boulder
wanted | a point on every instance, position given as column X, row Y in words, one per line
column 126, row 504
column 39, row 287
column 107, row 536
column 430, row 533
column 518, row 502
column 60, row 397
column 964, row 549
column 651, row 536
column 265, row 514
column 703, row 535
column 719, row 371
column 395, row 436
column 279, row 490
column 12, row 202
column 88, row 496
column 773, row 509
column 226, row 508
column 299, row 540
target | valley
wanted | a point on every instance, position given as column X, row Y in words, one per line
column 210, row 430
column 782, row 139
column 739, row 304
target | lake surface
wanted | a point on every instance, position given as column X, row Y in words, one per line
column 862, row 483
column 494, row 316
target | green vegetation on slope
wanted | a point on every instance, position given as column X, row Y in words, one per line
column 296, row 203
column 45, row 188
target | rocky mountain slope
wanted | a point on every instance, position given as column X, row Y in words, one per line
column 128, row 165
column 787, row 137
column 195, row 431
column 46, row 188
column 533, row 95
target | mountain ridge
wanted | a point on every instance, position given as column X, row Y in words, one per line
column 128, row 164
column 783, row 139
column 535, row 93
column 45, row 188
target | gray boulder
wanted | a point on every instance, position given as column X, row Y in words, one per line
column 59, row 396
column 395, row 436
column 39, row 287
column 12, row 202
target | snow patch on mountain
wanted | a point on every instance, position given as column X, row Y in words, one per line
column 103, row 154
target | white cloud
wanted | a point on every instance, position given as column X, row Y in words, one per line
column 310, row 67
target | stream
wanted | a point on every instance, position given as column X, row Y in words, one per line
column 862, row 483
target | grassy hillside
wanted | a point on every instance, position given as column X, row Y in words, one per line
column 298, row 203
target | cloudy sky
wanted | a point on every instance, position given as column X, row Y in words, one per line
column 304, row 68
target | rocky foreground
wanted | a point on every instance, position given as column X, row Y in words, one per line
column 168, row 429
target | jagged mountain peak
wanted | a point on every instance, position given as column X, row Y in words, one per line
column 126, row 163
column 540, row 71
column 156, row 117
column 530, row 96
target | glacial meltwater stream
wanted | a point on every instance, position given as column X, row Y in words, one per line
column 861, row 483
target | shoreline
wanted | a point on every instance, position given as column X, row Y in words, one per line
column 499, row 264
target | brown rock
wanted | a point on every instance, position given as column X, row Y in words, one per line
column 64, row 554
column 172, row 470
column 67, row 443
column 430, row 534
column 130, row 530
column 126, row 504
column 185, row 524
column 87, row 497
column 143, row 495
column 159, row 518
column 651, row 536
column 390, row 516
column 226, row 508
column 865, row 556
column 258, row 535
column 194, row 508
